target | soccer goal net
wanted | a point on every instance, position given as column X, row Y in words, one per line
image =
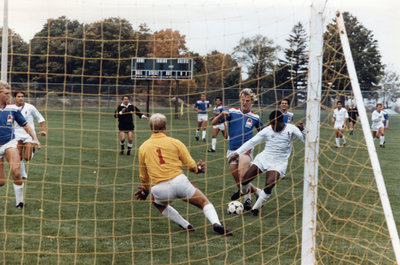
column 79, row 198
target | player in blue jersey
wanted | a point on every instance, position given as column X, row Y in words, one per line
column 241, row 122
column 8, row 143
column 221, row 126
column 288, row 117
column 202, row 106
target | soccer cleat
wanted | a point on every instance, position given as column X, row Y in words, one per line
column 236, row 195
column 211, row 150
column 255, row 212
column 197, row 138
column 204, row 139
column 20, row 205
column 128, row 153
column 247, row 205
column 25, row 177
column 122, row 152
column 189, row 228
column 220, row 229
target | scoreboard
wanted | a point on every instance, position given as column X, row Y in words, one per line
column 162, row 68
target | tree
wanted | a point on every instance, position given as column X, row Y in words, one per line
column 292, row 71
column 365, row 52
column 258, row 55
column 167, row 43
column 218, row 67
column 389, row 88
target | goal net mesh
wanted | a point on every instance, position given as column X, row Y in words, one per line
column 80, row 206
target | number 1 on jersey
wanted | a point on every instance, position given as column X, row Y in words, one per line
column 160, row 156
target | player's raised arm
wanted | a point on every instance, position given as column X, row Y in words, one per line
column 215, row 121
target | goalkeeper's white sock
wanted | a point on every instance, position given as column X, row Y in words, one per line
column 19, row 193
column 174, row 216
column 203, row 134
column 23, row 172
column 263, row 197
column 381, row 140
column 211, row 214
column 213, row 143
column 337, row 142
column 197, row 133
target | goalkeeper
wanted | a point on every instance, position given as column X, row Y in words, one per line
column 160, row 166
column 278, row 138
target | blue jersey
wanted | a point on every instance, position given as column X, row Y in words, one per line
column 288, row 117
column 385, row 117
column 202, row 105
column 241, row 127
column 7, row 117
column 217, row 111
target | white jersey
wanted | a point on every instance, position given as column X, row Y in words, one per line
column 377, row 119
column 278, row 146
column 29, row 112
column 340, row 116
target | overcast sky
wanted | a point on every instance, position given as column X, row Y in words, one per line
column 215, row 24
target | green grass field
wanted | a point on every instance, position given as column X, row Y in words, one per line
column 81, row 209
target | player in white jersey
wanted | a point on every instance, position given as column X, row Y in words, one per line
column 278, row 137
column 378, row 130
column 25, row 142
column 339, row 119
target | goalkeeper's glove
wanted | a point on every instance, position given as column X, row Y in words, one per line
column 201, row 167
column 141, row 194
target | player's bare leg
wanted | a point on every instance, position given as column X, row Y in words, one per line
column 130, row 142
column 214, row 140
column 204, row 132
column 122, row 141
column 172, row 214
column 2, row 175
column 381, row 135
column 198, row 130
column 351, row 125
column 27, row 155
column 271, row 178
column 13, row 158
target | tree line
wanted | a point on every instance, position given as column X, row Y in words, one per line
column 67, row 51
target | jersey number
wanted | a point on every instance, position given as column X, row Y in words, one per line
column 160, row 156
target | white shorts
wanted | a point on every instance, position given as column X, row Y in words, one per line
column 13, row 143
column 339, row 126
column 235, row 162
column 202, row 117
column 375, row 127
column 24, row 139
column 177, row 188
column 267, row 163
column 221, row 127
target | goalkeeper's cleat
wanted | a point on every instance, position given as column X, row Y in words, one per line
column 211, row 150
column 247, row 204
column 236, row 195
column 220, row 229
column 189, row 228
column 20, row 205
column 255, row 212
column 197, row 138
column 122, row 152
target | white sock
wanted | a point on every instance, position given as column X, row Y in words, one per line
column 19, row 193
column 197, row 133
column 203, row 134
column 211, row 214
column 258, row 192
column 247, row 197
column 213, row 143
column 263, row 197
column 245, row 188
column 337, row 142
column 174, row 216
column 121, row 143
column 130, row 145
column 344, row 139
column 23, row 172
column 381, row 140
column 351, row 129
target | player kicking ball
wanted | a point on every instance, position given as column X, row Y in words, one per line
column 278, row 138
column 25, row 142
column 160, row 168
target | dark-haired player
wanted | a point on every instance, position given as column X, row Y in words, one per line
column 288, row 117
column 353, row 115
column 339, row 120
column 202, row 106
column 221, row 126
column 124, row 113
column 278, row 137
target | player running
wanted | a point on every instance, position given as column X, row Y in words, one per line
column 377, row 126
column 353, row 115
column 8, row 143
column 241, row 122
column 160, row 167
column 202, row 106
column 221, row 126
column 339, row 120
column 25, row 142
column 278, row 137
column 288, row 117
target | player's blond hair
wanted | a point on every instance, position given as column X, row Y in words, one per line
column 4, row 86
column 158, row 122
column 248, row 92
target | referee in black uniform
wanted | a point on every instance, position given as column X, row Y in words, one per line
column 353, row 114
column 124, row 113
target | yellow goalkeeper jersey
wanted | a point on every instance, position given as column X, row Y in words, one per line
column 161, row 158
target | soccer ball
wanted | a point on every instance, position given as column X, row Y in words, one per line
column 235, row 207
